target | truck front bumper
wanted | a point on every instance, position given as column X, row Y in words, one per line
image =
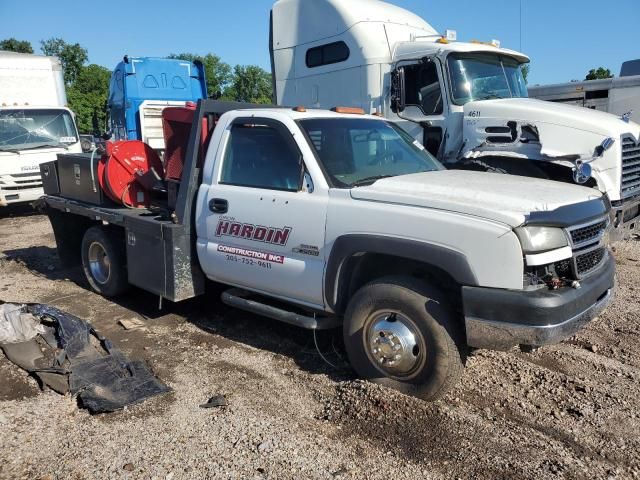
column 626, row 220
column 500, row 319
column 8, row 197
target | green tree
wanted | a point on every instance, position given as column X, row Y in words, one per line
column 526, row 68
column 14, row 45
column 88, row 96
column 250, row 84
column 72, row 56
column 598, row 73
column 217, row 72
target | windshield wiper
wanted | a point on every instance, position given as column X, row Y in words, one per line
column 45, row 145
column 369, row 180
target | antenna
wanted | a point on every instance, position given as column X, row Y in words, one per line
column 520, row 25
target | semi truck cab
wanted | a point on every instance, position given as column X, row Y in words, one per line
column 466, row 102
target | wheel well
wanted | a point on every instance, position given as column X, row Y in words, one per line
column 69, row 229
column 363, row 268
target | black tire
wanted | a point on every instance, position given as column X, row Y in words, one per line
column 104, row 261
column 441, row 351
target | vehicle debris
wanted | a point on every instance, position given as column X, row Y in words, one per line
column 68, row 355
column 132, row 324
column 216, row 401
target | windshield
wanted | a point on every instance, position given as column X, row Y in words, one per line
column 358, row 151
column 22, row 129
column 484, row 76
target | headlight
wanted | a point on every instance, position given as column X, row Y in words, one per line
column 541, row 239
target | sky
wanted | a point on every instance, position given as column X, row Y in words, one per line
column 563, row 38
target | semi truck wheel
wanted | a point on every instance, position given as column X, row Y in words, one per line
column 399, row 332
column 104, row 261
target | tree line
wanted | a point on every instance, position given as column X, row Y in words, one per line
column 88, row 84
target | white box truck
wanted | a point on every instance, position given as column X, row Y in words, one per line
column 619, row 95
column 466, row 102
column 35, row 124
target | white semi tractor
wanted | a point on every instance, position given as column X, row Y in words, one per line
column 35, row 124
column 619, row 95
column 466, row 102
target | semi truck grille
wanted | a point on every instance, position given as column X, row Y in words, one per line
column 589, row 261
column 630, row 167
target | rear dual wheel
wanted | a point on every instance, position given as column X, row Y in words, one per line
column 104, row 261
column 401, row 333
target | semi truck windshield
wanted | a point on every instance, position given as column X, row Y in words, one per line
column 357, row 152
column 484, row 76
column 22, row 129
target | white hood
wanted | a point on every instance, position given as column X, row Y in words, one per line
column 503, row 198
column 529, row 110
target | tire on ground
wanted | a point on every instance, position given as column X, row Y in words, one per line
column 104, row 261
column 440, row 366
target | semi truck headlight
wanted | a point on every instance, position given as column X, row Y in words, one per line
column 541, row 239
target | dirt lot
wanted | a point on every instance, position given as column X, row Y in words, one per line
column 567, row 411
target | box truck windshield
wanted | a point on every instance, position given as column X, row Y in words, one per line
column 24, row 129
column 484, row 77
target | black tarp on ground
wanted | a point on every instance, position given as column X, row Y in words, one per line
column 78, row 360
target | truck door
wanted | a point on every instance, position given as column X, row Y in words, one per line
column 264, row 231
column 425, row 99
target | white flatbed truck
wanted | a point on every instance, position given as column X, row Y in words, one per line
column 417, row 263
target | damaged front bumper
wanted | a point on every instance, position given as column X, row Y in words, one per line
column 500, row 319
column 626, row 219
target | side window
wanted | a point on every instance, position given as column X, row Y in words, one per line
column 327, row 54
column 423, row 88
column 259, row 156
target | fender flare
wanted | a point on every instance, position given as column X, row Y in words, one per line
column 345, row 247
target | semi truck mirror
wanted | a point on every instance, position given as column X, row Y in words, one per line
column 397, row 90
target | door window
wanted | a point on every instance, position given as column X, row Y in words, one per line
column 423, row 88
column 259, row 155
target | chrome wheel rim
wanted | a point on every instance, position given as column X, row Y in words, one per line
column 99, row 263
column 395, row 345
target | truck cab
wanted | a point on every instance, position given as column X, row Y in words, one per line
column 142, row 87
column 466, row 102
column 35, row 124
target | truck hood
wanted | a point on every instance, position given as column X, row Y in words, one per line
column 27, row 161
column 503, row 198
column 532, row 111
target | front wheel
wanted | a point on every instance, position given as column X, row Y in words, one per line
column 400, row 332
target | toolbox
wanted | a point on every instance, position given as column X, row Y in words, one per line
column 78, row 177
column 49, row 174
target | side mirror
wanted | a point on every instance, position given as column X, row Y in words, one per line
column 397, row 90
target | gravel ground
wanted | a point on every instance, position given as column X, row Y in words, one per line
column 566, row 411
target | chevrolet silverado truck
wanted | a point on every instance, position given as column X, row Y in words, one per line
column 324, row 218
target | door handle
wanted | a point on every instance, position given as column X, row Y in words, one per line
column 218, row 205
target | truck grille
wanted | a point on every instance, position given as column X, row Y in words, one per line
column 630, row 167
column 589, row 249
column 589, row 233
column 590, row 260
